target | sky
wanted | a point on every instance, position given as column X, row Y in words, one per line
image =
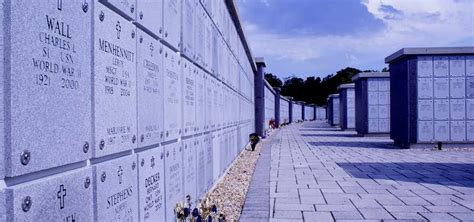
column 319, row 37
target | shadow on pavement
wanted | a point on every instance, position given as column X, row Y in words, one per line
column 356, row 144
column 448, row 174
column 331, row 135
column 320, row 129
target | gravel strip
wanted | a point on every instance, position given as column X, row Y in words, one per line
column 229, row 193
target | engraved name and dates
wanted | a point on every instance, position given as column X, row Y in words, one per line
column 58, row 63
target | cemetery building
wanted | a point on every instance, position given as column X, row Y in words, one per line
column 432, row 97
column 297, row 111
column 372, row 102
column 333, row 109
column 346, row 106
column 270, row 100
column 309, row 111
column 284, row 110
column 321, row 113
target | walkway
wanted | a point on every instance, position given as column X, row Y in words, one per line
column 318, row 173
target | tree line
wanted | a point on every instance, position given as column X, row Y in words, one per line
column 313, row 90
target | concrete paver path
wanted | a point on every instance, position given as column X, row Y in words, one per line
column 319, row 173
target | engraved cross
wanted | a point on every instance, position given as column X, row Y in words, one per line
column 60, row 195
column 60, row 5
column 120, row 174
column 118, row 27
column 152, row 48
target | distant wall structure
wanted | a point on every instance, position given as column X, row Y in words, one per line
column 309, row 112
column 116, row 110
column 372, row 100
column 284, row 110
column 297, row 111
column 346, row 106
column 333, row 109
column 321, row 113
column 432, row 97
column 270, row 112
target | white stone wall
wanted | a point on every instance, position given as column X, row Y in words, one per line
column 118, row 109
column 297, row 112
column 379, row 105
column 269, row 107
column 445, row 98
column 309, row 112
column 284, row 111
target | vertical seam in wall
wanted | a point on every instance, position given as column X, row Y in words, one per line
column 7, row 89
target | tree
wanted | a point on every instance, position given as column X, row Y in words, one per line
column 293, row 87
column 273, row 80
column 313, row 90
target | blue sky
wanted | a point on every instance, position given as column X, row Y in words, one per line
column 320, row 37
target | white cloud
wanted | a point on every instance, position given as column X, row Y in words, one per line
column 422, row 23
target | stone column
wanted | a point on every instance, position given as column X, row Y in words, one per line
column 303, row 104
column 314, row 111
column 290, row 109
column 259, row 97
column 277, row 106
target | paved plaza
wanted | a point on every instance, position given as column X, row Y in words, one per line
column 319, row 173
